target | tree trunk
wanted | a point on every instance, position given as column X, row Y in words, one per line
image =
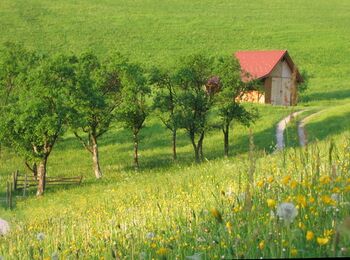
column 95, row 158
column 200, row 146
column 136, row 155
column 226, row 144
column 41, row 177
column 174, row 145
column 35, row 171
column 196, row 150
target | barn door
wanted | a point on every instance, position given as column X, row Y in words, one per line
column 286, row 88
column 276, row 92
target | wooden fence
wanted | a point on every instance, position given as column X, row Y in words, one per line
column 23, row 181
column 9, row 192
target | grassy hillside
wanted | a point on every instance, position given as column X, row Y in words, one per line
column 173, row 210
column 157, row 32
column 198, row 209
column 116, row 148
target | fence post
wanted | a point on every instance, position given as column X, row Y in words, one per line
column 25, row 185
column 11, row 186
column 15, row 176
column 7, row 194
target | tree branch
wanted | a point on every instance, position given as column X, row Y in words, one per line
column 86, row 146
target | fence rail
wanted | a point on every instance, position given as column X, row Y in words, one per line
column 9, row 192
column 23, row 181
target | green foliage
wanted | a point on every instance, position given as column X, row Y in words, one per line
column 194, row 100
column 134, row 108
column 96, row 95
column 33, row 121
column 14, row 62
column 165, row 102
column 231, row 88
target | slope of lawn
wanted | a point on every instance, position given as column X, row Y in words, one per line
column 116, row 148
column 206, row 209
column 316, row 32
column 330, row 121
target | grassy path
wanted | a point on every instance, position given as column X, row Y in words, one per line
column 281, row 127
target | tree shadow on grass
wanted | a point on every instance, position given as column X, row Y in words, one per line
column 263, row 141
column 328, row 95
column 320, row 130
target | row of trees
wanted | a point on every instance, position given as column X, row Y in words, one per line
column 43, row 96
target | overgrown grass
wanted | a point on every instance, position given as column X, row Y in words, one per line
column 210, row 209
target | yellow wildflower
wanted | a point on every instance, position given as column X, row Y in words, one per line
column 309, row 235
column 312, row 200
column 293, row 184
column 153, row 245
column 260, row 184
column 301, row 200
column 262, row 245
column 270, row 179
column 336, row 190
column 216, row 214
column 162, row 251
column 325, row 179
column 322, row 241
column 229, row 227
column 338, row 179
column 301, row 225
column 237, row 209
column 347, row 188
column 271, row 203
column 327, row 200
column 286, row 179
column 328, row 233
column 294, row 252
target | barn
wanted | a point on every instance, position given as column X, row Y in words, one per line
column 277, row 73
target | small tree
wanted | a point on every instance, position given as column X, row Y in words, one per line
column 231, row 88
column 134, row 110
column 32, row 123
column 165, row 102
column 14, row 62
column 194, row 100
column 94, row 98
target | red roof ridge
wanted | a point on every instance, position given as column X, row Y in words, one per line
column 259, row 63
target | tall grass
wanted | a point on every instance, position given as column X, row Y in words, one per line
column 199, row 209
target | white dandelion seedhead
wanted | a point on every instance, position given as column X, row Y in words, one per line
column 150, row 235
column 229, row 193
column 201, row 239
column 4, row 227
column 55, row 256
column 143, row 256
column 287, row 212
column 335, row 197
column 40, row 236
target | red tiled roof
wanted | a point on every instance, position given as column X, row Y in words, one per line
column 258, row 64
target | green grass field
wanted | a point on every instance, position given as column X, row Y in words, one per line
column 169, row 210
column 159, row 32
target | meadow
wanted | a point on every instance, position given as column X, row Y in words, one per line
column 222, row 208
column 219, row 209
